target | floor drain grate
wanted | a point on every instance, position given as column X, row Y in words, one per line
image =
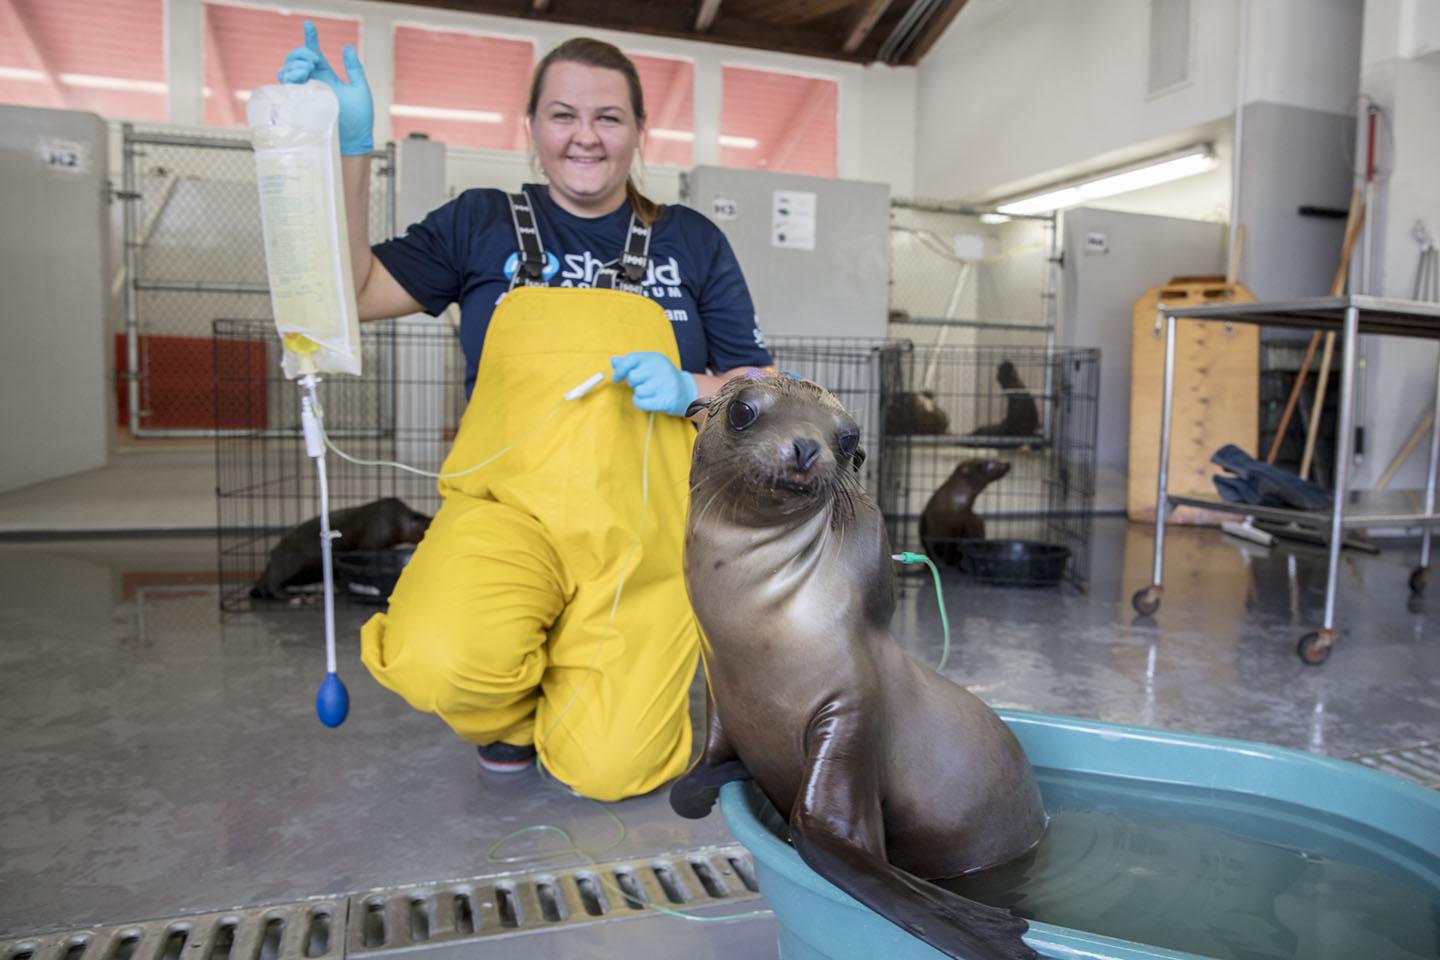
column 291, row 932
column 1417, row 764
column 404, row 918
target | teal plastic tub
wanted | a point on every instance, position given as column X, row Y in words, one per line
column 1283, row 799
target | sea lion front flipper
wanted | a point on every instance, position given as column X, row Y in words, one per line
column 693, row 796
column 838, row 829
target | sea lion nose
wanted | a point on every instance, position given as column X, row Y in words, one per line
column 806, row 451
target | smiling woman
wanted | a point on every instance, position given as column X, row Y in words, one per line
column 510, row 608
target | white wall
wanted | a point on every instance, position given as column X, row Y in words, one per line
column 1304, row 53
column 1023, row 89
column 876, row 104
column 1020, row 93
column 1401, row 71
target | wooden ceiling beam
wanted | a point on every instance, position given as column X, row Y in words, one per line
column 869, row 15
column 705, row 16
column 665, row 20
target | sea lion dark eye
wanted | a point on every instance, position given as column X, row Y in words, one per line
column 742, row 414
column 848, row 441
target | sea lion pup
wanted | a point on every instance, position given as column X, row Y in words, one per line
column 295, row 560
column 949, row 515
column 889, row 773
column 1022, row 416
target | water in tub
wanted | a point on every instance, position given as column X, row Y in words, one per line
column 1217, row 874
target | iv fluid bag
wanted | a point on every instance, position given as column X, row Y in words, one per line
column 302, row 207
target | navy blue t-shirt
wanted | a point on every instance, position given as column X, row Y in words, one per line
column 465, row 252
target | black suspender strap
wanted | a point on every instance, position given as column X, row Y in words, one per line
column 530, row 271
column 637, row 250
column 629, row 276
column 632, row 262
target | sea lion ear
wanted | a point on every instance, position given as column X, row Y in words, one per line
column 857, row 459
column 696, row 406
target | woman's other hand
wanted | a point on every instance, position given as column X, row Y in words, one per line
column 357, row 107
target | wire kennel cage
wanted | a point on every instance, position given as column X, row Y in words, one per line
column 1005, row 434
column 406, row 408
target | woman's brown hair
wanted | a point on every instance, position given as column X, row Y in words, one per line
column 606, row 56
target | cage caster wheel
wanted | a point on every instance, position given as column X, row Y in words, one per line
column 1147, row 599
column 1314, row 648
column 1417, row 580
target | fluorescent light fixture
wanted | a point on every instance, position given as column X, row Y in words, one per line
column 1163, row 172
column 739, row 143
column 18, row 73
column 1174, row 167
column 994, row 218
column 1044, row 202
column 445, row 113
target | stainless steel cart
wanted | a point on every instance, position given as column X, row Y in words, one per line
column 1350, row 316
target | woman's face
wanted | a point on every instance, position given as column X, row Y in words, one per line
column 585, row 135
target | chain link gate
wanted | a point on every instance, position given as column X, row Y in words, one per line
column 194, row 251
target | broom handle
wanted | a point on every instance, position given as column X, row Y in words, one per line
column 1404, row 453
column 1337, row 288
column 1317, row 406
column 1294, row 397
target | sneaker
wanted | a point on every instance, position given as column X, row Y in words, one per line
column 499, row 757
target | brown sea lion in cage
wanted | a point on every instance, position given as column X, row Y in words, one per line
column 1022, row 415
column 295, row 560
column 916, row 414
column 949, row 516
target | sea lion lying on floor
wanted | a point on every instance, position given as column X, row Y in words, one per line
column 949, row 515
column 295, row 560
column 889, row 773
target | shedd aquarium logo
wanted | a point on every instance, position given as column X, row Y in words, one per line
column 552, row 266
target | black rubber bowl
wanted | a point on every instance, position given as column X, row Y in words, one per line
column 370, row 575
column 1015, row 563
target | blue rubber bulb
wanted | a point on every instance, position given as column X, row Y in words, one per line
column 332, row 701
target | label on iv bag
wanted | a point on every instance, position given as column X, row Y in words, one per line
column 298, row 247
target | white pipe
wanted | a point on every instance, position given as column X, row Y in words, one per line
column 1242, row 45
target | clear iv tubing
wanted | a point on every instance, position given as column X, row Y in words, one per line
column 574, row 393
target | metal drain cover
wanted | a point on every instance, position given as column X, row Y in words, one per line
column 1417, row 764
column 401, row 919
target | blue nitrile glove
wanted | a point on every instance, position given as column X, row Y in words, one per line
column 357, row 107
column 659, row 386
